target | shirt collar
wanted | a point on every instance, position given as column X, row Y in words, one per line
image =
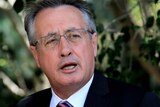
column 77, row 99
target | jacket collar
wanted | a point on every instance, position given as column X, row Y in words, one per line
column 95, row 98
column 97, row 95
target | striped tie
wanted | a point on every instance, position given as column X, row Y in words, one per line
column 64, row 104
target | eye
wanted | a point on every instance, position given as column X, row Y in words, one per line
column 51, row 40
column 73, row 35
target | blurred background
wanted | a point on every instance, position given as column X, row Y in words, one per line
column 128, row 48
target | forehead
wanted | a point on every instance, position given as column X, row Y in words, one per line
column 59, row 18
column 59, row 8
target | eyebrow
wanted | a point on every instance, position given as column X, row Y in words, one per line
column 54, row 33
column 72, row 28
column 50, row 34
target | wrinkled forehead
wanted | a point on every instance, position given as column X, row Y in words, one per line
column 59, row 19
column 63, row 7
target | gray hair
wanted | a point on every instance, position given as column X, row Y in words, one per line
column 34, row 8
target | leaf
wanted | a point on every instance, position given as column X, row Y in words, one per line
column 18, row 6
column 1, row 38
column 155, row 1
column 158, row 13
column 158, row 22
column 100, row 28
column 102, row 54
column 103, row 39
column 30, row 0
column 112, row 54
column 126, row 33
column 150, row 22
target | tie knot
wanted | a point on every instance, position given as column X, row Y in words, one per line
column 64, row 104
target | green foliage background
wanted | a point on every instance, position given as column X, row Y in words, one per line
column 128, row 46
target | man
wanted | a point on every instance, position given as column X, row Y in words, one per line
column 63, row 41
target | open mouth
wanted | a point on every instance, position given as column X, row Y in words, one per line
column 69, row 66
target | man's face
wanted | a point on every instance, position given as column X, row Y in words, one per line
column 65, row 64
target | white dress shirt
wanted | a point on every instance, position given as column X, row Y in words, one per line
column 77, row 99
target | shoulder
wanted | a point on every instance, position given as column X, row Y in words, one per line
column 121, row 93
column 39, row 98
column 121, row 88
column 131, row 96
column 150, row 100
column 117, row 87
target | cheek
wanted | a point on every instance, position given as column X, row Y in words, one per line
column 89, row 50
column 48, row 61
column 86, row 54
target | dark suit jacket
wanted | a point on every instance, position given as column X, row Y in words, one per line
column 102, row 93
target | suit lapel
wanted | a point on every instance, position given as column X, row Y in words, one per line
column 43, row 99
column 97, row 95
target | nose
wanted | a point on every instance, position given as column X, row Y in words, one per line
column 64, row 47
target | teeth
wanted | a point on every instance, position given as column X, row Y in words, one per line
column 69, row 67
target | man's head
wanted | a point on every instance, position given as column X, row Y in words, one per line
column 35, row 8
column 63, row 41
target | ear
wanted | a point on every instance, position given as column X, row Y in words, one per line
column 94, row 42
column 35, row 54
